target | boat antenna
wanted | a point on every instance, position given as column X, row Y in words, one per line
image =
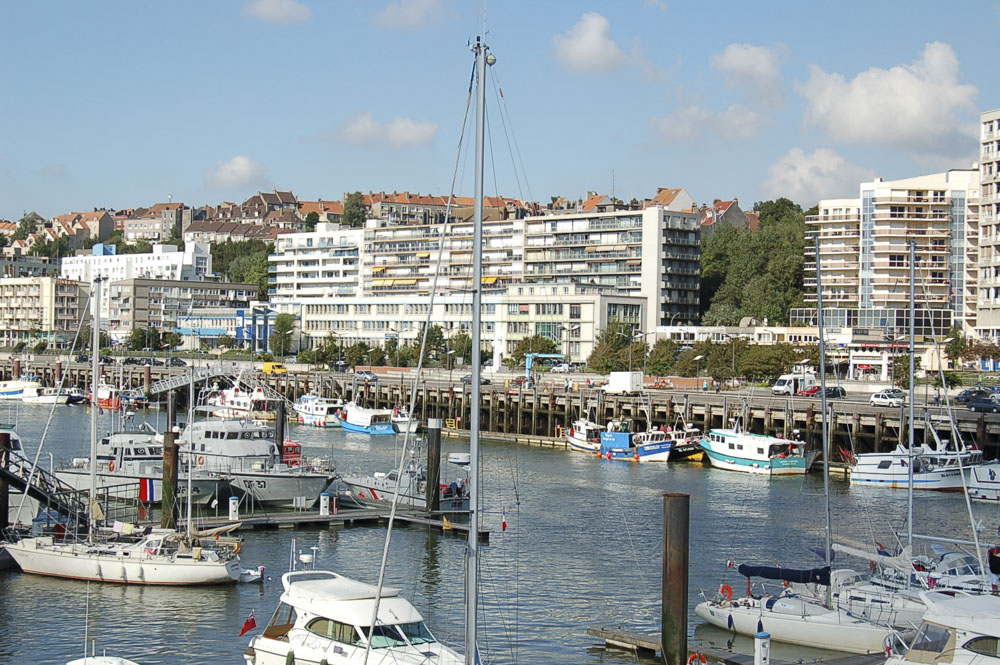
column 826, row 417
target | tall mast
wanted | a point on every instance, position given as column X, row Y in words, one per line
column 472, row 549
column 826, row 415
column 95, row 368
column 190, row 421
column 910, row 397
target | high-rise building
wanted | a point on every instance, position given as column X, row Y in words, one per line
column 315, row 264
column 988, row 321
column 40, row 309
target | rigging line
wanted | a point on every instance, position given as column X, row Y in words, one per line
column 500, row 606
column 48, row 422
column 517, row 148
column 498, row 93
column 631, row 542
column 420, row 364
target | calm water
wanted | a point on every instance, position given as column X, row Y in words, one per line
column 582, row 548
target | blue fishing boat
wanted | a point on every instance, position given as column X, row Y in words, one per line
column 618, row 442
column 358, row 419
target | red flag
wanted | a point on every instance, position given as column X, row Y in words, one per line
column 248, row 625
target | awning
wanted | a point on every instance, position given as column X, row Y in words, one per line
column 378, row 268
column 423, row 255
column 592, row 248
column 489, row 280
column 634, row 262
column 403, row 282
column 381, row 282
column 619, row 248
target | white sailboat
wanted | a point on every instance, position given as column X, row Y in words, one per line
column 162, row 556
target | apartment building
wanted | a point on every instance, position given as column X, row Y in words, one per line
column 156, row 224
column 166, row 304
column 316, row 264
column 400, row 259
column 988, row 320
column 653, row 253
column 165, row 262
column 864, row 255
column 35, row 309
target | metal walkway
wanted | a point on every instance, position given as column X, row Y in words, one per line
column 183, row 380
column 48, row 490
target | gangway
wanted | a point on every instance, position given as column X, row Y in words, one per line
column 46, row 488
column 184, row 379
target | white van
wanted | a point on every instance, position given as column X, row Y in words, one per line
column 790, row 384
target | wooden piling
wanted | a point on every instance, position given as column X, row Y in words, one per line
column 674, row 580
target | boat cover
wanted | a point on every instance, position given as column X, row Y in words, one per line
column 801, row 576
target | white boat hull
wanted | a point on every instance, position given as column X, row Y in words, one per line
column 150, row 488
column 831, row 630
column 82, row 562
column 984, row 482
column 279, row 490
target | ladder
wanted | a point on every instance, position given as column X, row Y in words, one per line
column 47, row 489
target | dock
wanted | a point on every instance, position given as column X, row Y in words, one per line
column 650, row 645
column 312, row 519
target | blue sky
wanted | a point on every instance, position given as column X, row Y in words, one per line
column 120, row 104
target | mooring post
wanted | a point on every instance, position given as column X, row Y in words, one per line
column 4, row 488
column 279, row 425
column 674, row 582
column 432, row 496
column 168, row 514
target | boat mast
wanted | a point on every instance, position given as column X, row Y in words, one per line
column 95, row 368
column 190, row 420
column 913, row 327
column 826, row 415
column 472, row 549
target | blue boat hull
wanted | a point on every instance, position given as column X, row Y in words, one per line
column 380, row 428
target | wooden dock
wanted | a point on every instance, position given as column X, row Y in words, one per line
column 650, row 645
column 306, row 519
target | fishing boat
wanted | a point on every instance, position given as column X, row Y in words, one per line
column 686, row 442
column 236, row 402
column 957, row 628
column 403, row 422
column 107, row 397
column 15, row 388
column 311, row 409
column 584, row 436
column 984, row 482
column 323, row 616
column 161, row 556
column 354, row 418
column 76, row 396
column 33, row 395
column 736, row 449
column 618, row 442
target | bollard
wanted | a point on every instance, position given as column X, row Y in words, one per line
column 762, row 649
column 324, row 504
column 432, row 495
column 674, row 581
column 234, row 509
column 335, row 502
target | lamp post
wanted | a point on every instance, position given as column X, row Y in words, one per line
column 697, row 359
column 450, row 364
column 570, row 329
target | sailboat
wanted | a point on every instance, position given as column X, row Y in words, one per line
column 159, row 556
column 370, row 633
column 798, row 614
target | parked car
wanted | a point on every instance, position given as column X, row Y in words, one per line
column 176, row 362
column 561, row 368
column 811, row 391
column 83, row 358
column 365, row 375
column 984, row 404
column 970, row 394
column 483, row 381
column 152, row 362
column 131, row 361
column 886, row 398
column 835, row 392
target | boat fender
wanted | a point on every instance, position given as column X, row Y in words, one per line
column 696, row 656
column 111, row 465
column 726, row 591
column 238, row 548
column 324, row 661
column 290, row 658
column 609, row 454
column 636, row 457
column 572, row 431
column 201, row 460
column 887, row 645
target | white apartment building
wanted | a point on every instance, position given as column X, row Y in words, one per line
column 988, row 322
column 34, row 309
column 317, row 264
column 653, row 253
column 164, row 262
column 864, row 255
column 570, row 315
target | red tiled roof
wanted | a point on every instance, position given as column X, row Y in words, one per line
column 665, row 196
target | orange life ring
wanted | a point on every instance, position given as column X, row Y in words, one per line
column 726, row 591
column 201, row 460
column 696, row 656
column 111, row 465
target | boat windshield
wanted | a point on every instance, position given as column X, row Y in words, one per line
column 416, row 632
column 385, row 637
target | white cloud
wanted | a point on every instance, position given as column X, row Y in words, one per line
column 408, row 13
column 586, row 47
column 737, row 123
column 921, row 108
column 755, row 69
column 363, row 129
column 238, row 172
column 807, row 178
column 278, row 11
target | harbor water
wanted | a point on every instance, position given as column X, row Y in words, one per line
column 581, row 548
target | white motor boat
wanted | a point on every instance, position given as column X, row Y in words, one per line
column 326, row 617
column 378, row 489
column 402, row 421
column 317, row 411
column 736, row 449
column 354, row 418
column 39, row 395
column 957, row 629
column 584, row 436
column 984, row 482
column 102, row 660
column 237, row 402
column 15, row 389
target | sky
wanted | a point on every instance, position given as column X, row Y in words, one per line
column 119, row 104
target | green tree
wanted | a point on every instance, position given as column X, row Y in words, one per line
column 533, row 344
column 355, row 354
column 171, row 340
column 53, row 249
column 141, row 338
column 227, row 342
column 243, row 261
column 281, row 335
column 251, row 269
column 377, row 356
column 354, row 209
column 4, row 241
column 40, row 347
column 956, row 347
column 461, row 344
column 312, row 219
column 901, row 371
column 662, row 357
column 610, row 352
column 25, row 227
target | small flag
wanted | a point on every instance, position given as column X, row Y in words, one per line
column 248, row 625
column 147, row 490
column 503, row 521
column 881, row 549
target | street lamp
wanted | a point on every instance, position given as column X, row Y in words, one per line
column 696, row 360
column 570, row 329
column 450, row 364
